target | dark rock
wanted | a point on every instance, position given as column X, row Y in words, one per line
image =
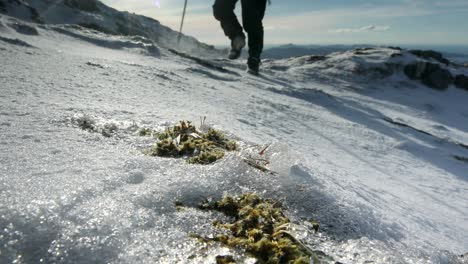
column 430, row 74
column 24, row 29
column 461, row 158
column 439, row 78
column 315, row 58
column 430, row 54
column 363, row 49
column 461, row 81
column 394, row 48
column 357, row 52
column 96, row 27
column 17, row 42
column 84, row 5
column 396, row 55
column 414, row 71
column 35, row 15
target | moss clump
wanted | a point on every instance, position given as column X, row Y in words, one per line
column 207, row 156
column 260, row 228
column 185, row 140
column 86, row 123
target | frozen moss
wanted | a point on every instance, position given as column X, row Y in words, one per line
column 218, row 138
column 259, row 227
column 90, row 124
column 86, row 122
column 185, row 140
column 179, row 206
column 143, row 132
column 207, row 157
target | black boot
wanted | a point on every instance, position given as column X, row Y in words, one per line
column 253, row 64
column 237, row 44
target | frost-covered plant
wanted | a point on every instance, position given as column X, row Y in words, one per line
column 143, row 132
column 109, row 129
column 89, row 123
column 86, row 122
column 218, row 138
column 185, row 140
column 259, row 227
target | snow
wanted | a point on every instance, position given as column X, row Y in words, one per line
column 382, row 192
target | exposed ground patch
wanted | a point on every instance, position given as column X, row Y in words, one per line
column 260, row 227
column 185, row 140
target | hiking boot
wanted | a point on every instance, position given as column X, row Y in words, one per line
column 253, row 64
column 237, row 44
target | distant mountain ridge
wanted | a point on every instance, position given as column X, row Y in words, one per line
column 457, row 54
column 292, row 50
column 97, row 16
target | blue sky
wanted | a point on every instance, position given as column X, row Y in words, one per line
column 397, row 22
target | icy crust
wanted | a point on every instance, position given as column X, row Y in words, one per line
column 130, row 214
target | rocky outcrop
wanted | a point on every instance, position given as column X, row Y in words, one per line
column 433, row 74
column 430, row 74
column 95, row 15
column 23, row 11
column 430, row 54
column 461, row 81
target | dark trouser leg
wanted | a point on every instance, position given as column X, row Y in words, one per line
column 223, row 11
column 253, row 12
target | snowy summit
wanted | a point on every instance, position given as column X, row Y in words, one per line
column 364, row 151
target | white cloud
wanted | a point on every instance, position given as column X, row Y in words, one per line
column 370, row 28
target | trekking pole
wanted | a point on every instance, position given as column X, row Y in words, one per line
column 182, row 22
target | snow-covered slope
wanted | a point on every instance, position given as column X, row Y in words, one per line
column 377, row 159
column 95, row 15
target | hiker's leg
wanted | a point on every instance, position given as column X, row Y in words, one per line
column 253, row 12
column 223, row 11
